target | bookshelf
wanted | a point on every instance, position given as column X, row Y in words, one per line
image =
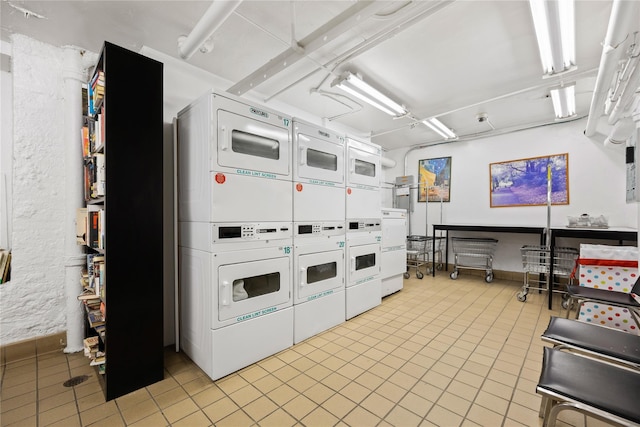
column 123, row 193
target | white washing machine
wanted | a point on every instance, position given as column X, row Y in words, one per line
column 394, row 249
column 363, row 284
column 235, row 294
column 234, row 162
column 363, row 171
column 235, row 212
column 318, row 278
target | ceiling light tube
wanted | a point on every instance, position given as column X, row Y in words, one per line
column 554, row 24
column 564, row 101
column 438, row 127
column 355, row 86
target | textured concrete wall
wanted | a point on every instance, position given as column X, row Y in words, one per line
column 32, row 304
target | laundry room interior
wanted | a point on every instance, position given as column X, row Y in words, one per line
column 319, row 212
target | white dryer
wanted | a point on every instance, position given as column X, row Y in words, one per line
column 363, row 284
column 318, row 278
column 363, row 199
column 318, row 174
column 234, row 162
column 394, row 249
column 235, row 293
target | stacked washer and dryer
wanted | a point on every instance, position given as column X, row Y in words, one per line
column 279, row 231
column 319, row 230
column 364, row 231
column 236, row 233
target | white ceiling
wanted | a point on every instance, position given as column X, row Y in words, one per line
column 449, row 59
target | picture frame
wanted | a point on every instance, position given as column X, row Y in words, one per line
column 434, row 179
column 523, row 182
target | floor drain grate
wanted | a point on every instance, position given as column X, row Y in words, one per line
column 72, row 382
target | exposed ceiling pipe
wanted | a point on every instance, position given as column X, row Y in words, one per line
column 623, row 15
column 314, row 41
column 480, row 135
column 620, row 133
column 626, row 98
column 212, row 19
column 424, row 9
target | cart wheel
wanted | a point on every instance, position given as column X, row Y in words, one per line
column 488, row 278
column 522, row 297
column 406, row 275
column 419, row 275
column 454, row 274
column 439, row 267
column 565, row 304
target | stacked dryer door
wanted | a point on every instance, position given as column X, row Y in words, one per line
column 319, row 230
column 363, row 217
column 236, row 233
column 394, row 249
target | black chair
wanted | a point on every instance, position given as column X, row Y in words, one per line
column 594, row 340
column 601, row 390
column 581, row 294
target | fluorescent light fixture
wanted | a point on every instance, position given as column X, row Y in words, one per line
column 355, row 86
column 437, row 126
column 564, row 100
column 554, row 23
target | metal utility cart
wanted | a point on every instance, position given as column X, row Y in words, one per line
column 419, row 250
column 536, row 260
column 475, row 254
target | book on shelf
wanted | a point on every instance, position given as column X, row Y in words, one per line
column 5, row 269
column 4, row 258
column 84, row 132
column 94, row 222
column 99, row 360
column 95, row 317
column 100, row 175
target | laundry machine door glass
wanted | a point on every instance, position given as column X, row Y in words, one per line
column 251, row 144
column 319, row 272
column 320, row 159
column 251, row 286
column 364, row 168
column 364, row 262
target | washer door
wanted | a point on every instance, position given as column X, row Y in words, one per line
column 318, row 273
column 252, row 144
column 319, row 159
column 363, row 168
column 364, row 263
column 251, row 289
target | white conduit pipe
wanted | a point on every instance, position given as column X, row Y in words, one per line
column 212, row 19
column 620, row 133
column 387, row 162
column 623, row 14
column 74, row 257
column 626, row 98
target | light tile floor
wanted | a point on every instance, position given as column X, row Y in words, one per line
column 438, row 353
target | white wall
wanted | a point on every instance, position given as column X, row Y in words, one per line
column 32, row 304
column 597, row 177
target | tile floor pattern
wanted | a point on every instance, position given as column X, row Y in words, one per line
column 438, row 353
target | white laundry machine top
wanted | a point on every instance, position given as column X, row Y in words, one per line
column 234, row 162
column 318, row 155
column 236, row 136
column 363, row 164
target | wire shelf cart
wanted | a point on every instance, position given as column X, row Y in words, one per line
column 475, row 254
column 419, row 250
column 536, row 260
